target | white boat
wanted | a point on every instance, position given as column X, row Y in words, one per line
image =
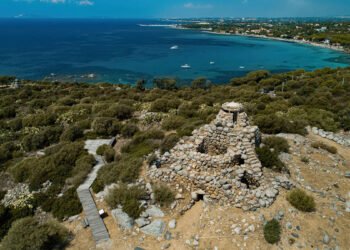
column 185, row 66
column 174, row 47
column 241, row 67
column 212, row 62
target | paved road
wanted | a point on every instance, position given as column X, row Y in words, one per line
column 98, row 228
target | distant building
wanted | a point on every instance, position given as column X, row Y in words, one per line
column 15, row 84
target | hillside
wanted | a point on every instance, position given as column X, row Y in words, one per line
column 43, row 128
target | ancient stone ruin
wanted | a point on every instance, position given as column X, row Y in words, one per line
column 218, row 163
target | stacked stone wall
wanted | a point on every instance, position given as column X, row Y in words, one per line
column 219, row 163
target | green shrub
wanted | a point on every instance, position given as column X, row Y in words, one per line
column 72, row 133
column 67, row 101
column 168, row 142
column 42, row 139
column 165, row 104
column 7, row 151
column 31, row 234
column 109, row 154
column 163, row 195
column 200, row 83
column 7, row 112
column 128, row 198
column 101, row 149
column 121, row 111
column 106, row 126
column 126, row 169
column 83, row 167
column 129, row 130
column 165, row 83
column 15, row 124
column 330, row 149
column 272, row 231
column 2, row 194
column 67, row 205
column 269, row 159
column 132, row 208
column 173, row 122
column 279, row 144
column 301, row 201
column 273, row 124
column 37, row 120
column 9, row 214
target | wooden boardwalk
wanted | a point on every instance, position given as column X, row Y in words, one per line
column 98, row 228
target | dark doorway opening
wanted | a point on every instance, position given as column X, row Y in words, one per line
column 200, row 197
column 249, row 181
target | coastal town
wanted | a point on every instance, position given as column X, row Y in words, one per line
column 332, row 34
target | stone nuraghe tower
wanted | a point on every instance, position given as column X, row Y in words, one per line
column 218, row 163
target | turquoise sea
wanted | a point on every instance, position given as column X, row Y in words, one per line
column 122, row 51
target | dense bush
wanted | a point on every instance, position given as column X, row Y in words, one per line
column 67, row 205
column 106, row 126
column 165, row 83
column 121, row 111
column 109, row 154
column 272, row 231
column 321, row 145
column 200, row 83
column 278, row 144
column 31, row 234
column 101, row 149
column 7, row 112
column 164, row 105
column 37, row 120
column 269, row 159
column 273, row 124
column 302, row 201
column 163, row 195
column 129, row 130
column 42, row 139
column 128, row 198
column 9, row 214
column 72, row 133
column 173, row 122
column 126, row 169
column 7, row 151
column 55, row 167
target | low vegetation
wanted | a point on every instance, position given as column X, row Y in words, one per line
column 269, row 159
column 278, row 144
column 301, row 201
column 128, row 197
column 43, row 126
column 321, row 145
column 31, row 234
column 163, row 195
column 272, row 231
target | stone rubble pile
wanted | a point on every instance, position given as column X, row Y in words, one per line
column 218, row 163
column 340, row 139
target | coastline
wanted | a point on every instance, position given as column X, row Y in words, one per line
column 303, row 42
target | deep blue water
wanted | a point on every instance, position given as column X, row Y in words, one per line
column 120, row 51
